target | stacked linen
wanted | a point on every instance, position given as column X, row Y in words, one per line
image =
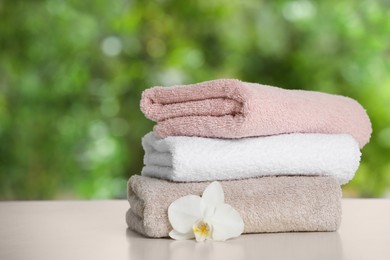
column 229, row 108
column 269, row 204
column 189, row 159
column 280, row 155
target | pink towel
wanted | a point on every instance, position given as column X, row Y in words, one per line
column 229, row 108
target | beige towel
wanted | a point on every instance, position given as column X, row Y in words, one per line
column 268, row 204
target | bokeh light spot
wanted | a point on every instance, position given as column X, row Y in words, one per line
column 298, row 10
column 111, row 46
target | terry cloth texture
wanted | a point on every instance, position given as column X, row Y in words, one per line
column 186, row 159
column 268, row 204
column 229, row 108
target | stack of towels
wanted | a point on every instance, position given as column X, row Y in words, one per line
column 280, row 155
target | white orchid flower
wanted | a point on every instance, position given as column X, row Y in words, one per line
column 206, row 217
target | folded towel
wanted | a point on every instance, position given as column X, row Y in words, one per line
column 229, row 108
column 268, row 204
column 186, row 159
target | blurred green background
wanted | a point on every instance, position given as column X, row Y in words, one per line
column 72, row 72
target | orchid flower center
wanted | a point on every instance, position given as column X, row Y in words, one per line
column 202, row 230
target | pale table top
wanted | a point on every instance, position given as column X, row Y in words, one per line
column 97, row 230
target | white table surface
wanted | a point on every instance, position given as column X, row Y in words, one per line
column 97, row 230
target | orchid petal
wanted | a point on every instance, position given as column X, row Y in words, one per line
column 227, row 223
column 181, row 236
column 213, row 195
column 184, row 212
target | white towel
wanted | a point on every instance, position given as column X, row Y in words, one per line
column 185, row 159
